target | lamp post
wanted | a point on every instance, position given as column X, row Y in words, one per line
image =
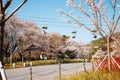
column 44, row 29
column 94, row 33
column 74, row 34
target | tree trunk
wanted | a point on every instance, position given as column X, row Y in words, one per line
column 2, row 24
column 108, row 53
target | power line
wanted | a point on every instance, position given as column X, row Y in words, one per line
column 48, row 19
column 39, row 17
column 44, row 20
column 54, row 21
column 51, row 23
column 54, row 25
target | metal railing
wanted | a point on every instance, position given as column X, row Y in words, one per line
column 59, row 72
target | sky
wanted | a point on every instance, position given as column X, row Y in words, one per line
column 44, row 13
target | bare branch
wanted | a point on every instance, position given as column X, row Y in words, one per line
column 7, row 4
column 1, row 8
column 114, row 9
column 77, row 21
column 113, row 15
column 107, row 22
column 96, row 22
column 7, row 17
column 100, row 21
column 116, row 23
column 111, row 3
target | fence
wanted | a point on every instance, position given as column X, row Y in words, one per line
column 55, row 73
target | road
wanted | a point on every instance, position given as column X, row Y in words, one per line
column 46, row 72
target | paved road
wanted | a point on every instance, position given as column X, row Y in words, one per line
column 46, row 72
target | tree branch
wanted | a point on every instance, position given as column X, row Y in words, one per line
column 96, row 22
column 1, row 8
column 113, row 16
column 116, row 23
column 106, row 20
column 7, row 4
column 7, row 17
column 98, row 25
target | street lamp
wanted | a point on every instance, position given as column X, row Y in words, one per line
column 94, row 33
column 94, row 36
column 74, row 34
column 44, row 36
column 44, row 28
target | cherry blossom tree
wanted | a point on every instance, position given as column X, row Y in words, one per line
column 55, row 40
column 23, row 35
column 101, row 17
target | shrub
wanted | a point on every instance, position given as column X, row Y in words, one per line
column 43, row 62
column 94, row 76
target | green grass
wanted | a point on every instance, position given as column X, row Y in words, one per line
column 94, row 76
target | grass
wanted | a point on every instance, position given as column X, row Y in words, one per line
column 94, row 76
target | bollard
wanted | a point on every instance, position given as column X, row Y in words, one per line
column 93, row 66
column 30, row 76
column 14, row 65
column 59, row 70
column 84, row 66
column 24, row 64
column 31, row 64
